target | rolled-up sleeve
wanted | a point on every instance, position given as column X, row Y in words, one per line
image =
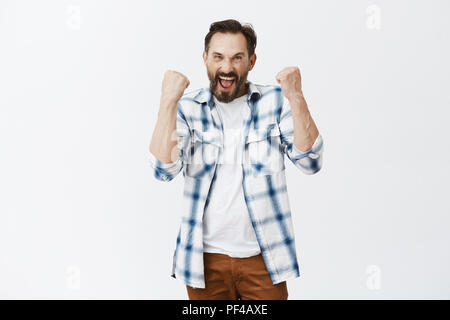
column 167, row 171
column 310, row 161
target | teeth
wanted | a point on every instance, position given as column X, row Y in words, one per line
column 224, row 78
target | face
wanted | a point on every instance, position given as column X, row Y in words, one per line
column 227, row 63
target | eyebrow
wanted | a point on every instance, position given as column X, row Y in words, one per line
column 234, row 55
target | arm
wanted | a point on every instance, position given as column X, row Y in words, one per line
column 303, row 144
column 166, row 156
column 302, row 141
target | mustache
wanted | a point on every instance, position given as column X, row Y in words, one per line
column 231, row 75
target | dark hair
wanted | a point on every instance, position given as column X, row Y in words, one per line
column 233, row 26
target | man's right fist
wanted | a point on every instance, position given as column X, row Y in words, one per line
column 173, row 86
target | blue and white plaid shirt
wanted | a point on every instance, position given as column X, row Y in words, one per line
column 269, row 134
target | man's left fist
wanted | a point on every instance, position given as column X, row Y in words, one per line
column 291, row 82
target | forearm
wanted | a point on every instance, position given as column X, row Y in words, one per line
column 164, row 142
column 305, row 130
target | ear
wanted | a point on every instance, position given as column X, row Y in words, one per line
column 204, row 55
column 252, row 61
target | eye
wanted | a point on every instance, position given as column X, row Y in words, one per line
column 238, row 57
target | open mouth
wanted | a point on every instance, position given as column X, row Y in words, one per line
column 226, row 82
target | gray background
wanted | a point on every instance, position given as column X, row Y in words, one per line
column 81, row 215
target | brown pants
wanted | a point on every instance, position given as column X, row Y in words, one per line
column 228, row 278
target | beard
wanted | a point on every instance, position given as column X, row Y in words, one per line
column 226, row 96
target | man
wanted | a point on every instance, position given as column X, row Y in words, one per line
column 236, row 238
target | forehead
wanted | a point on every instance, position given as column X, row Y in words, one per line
column 228, row 43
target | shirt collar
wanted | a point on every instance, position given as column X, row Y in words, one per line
column 205, row 94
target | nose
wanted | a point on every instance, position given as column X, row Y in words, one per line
column 226, row 67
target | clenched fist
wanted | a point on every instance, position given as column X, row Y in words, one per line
column 290, row 81
column 173, row 86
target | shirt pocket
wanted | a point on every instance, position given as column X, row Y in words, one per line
column 203, row 153
column 263, row 152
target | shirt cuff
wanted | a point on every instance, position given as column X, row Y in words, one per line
column 313, row 153
column 164, row 171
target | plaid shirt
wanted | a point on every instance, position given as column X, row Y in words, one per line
column 269, row 135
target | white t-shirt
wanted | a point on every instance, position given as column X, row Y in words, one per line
column 227, row 227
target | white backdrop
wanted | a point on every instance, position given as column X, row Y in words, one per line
column 81, row 215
